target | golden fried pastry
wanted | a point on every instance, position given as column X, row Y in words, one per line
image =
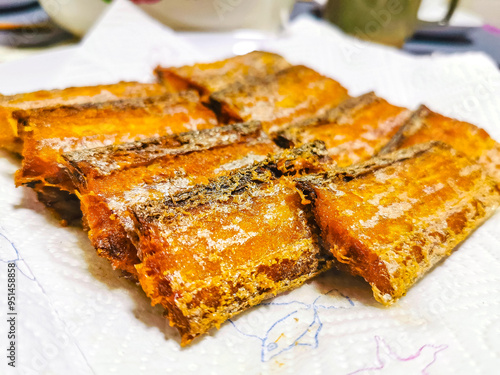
column 390, row 219
column 215, row 250
column 48, row 133
column 425, row 126
column 9, row 138
column 111, row 179
column 353, row 132
column 211, row 77
column 287, row 97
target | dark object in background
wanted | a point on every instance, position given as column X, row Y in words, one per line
column 454, row 39
column 16, row 4
column 27, row 25
column 306, row 7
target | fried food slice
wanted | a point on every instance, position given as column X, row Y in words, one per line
column 353, row 132
column 111, row 179
column 213, row 251
column 48, row 133
column 392, row 218
column 425, row 126
column 211, row 77
column 9, row 138
column 287, row 97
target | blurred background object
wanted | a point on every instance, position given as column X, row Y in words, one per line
column 488, row 9
column 78, row 16
column 422, row 26
column 469, row 30
column 26, row 28
column 6, row 4
column 389, row 22
column 220, row 15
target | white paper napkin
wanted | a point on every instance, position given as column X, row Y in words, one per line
column 77, row 316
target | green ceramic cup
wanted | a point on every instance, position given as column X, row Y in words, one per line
column 383, row 21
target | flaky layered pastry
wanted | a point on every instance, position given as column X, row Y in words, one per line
column 110, row 180
column 392, row 218
column 48, row 133
column 287, row 97
column 425, row 126
column 215, row 250
column 9, row 137
column 353, row 132
column 211, row 77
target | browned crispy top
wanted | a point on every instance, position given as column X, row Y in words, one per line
column 391, row 218
column 158, row 168
column 299, row 160
column 73, row 95
column 111, row 179
column 102, row 161
column 353, row 132
column 50, row 132
column 475, row 142
column 215, row 76
column 289, row 96
column 212, row 251
column 222, row 258
column 80, row 95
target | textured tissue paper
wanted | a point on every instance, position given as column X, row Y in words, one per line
column 77, row 316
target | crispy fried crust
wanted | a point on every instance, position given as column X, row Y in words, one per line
column 215, row 250
column 111, row 179
column 393, row 217
column 304, row 159
column 353, row 132
column 425, row 126
column 9, row 138
column 50, row 132
column 212, row 77
column 101, row 162
column 287, row 97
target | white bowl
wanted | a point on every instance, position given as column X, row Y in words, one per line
column 220, row 15
column 77, row 16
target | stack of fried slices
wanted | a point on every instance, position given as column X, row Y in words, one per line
column 226, row 183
